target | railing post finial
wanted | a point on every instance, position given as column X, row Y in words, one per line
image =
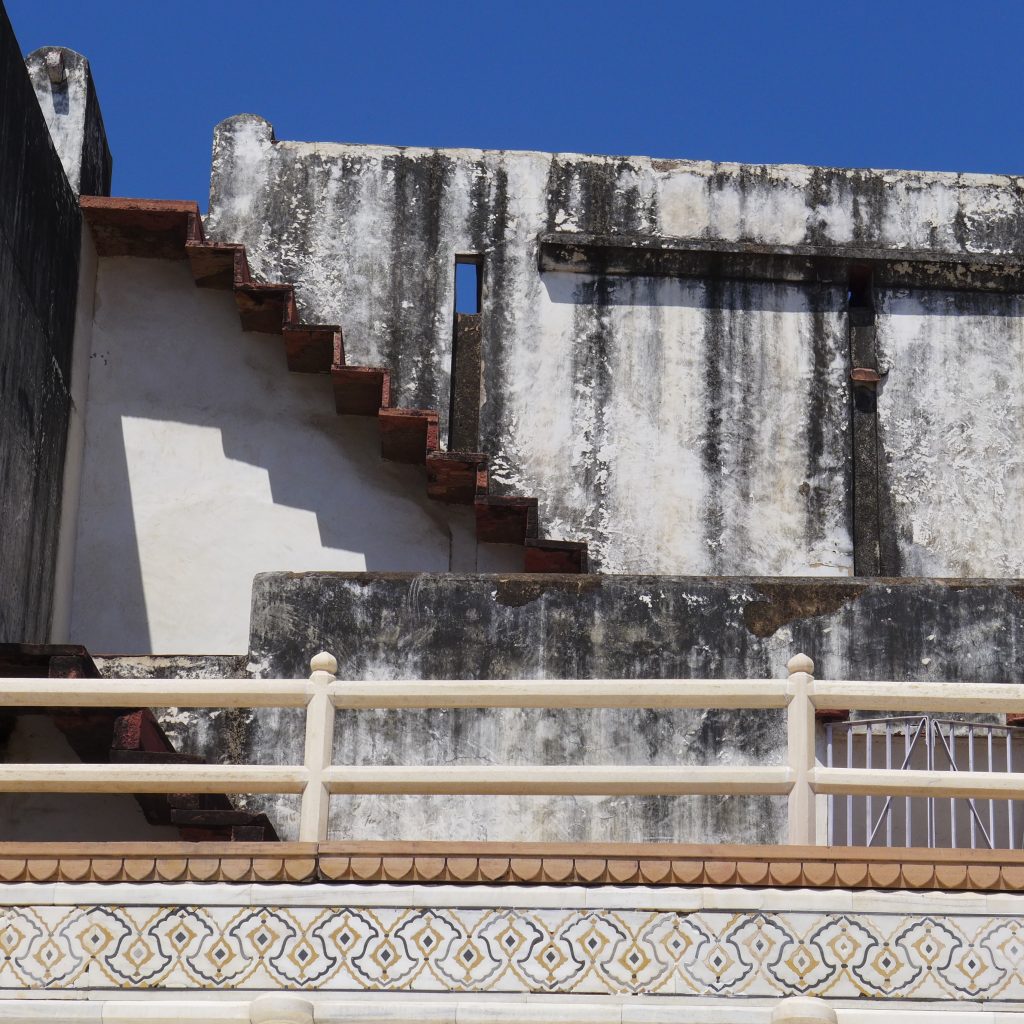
column 800, row 738
column 316, row 798
column 324, row 662
column 800, row 663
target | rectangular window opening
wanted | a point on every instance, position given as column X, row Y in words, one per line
column 468, row 280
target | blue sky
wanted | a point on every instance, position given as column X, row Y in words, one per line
column 930, row 85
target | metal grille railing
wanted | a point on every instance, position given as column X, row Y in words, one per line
column 931, row 744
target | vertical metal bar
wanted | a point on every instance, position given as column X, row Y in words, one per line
column 849, row 797
column 1009, row 803
column 831, row 799
column 888, row 767
column 929, row 801
column 970, row 768
column 991, row 803
column 868, row 808
column 952, row 799
column 906, row 799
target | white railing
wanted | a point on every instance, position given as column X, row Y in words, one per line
column 802, row 778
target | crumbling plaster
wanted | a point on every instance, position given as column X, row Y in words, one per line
column 951, row 423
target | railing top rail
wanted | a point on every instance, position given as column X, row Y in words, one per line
column 563, row 693
column 366, row 694
column 912, row 697
column 155, row 693
column 856, row 695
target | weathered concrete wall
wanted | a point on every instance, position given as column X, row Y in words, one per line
column 406, row 626
column 677, row 426
column 72, row 112
column 39, row 254
column 680, row 426
column 206, row 462
column 952, row 430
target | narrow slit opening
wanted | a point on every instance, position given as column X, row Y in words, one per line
column 467, row 284
column 859, row 289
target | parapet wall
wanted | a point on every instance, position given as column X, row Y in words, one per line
column 418, row 626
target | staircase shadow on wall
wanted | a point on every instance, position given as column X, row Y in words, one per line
column 203, row 455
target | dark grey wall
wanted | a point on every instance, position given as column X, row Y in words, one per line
column 409, row 626
column 40, row 232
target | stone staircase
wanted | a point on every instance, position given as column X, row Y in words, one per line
column 171, row 229
column 121, row 736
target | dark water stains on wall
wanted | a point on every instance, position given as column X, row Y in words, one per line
column 403, row 626
column 39, row 255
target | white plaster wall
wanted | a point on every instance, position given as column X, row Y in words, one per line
column 207, row 462
column 683, row 444
column 60, row 623
column 604, row 415
column 951, row 417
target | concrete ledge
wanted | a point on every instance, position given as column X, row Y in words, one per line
column 644, row 256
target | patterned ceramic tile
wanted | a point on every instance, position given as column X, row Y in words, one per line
column 512, row 950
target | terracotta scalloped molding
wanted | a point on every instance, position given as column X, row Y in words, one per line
column 524, row 864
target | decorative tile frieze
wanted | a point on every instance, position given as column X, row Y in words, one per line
column 512, row 950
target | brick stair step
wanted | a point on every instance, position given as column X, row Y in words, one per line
column 360, row 390
column 313, row 348
column 151, row 228
column 566, row 556
column 200, row 802
column 257, row 829
column 505, row 520
column 218, row 264
column 260, row 821
column 265, row 308
column 456, row 477
column 407, row 435
column 139, row 730
column 213, row 818
column 154, row 757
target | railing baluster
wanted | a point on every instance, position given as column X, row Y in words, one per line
column 800, row 726
column 316, row 798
